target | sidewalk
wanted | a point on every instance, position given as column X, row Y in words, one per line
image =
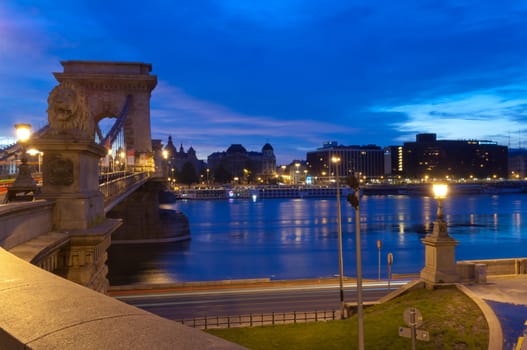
column 507, row 297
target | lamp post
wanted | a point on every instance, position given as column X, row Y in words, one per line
column 297, row 166
column 122, row 155
column 440, row 192
column 379, row 246
column 35, row 152
column 353, row 199
column 336, row 161
column 440, row 262
column 24, row 187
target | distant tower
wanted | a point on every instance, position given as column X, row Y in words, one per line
column 268, row 161
column 170, row 148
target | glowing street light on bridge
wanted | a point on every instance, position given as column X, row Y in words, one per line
column 24, row 187
column 23, row 132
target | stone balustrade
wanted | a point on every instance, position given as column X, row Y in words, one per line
column 23, row 221
column 40, row 310
column 478, row 270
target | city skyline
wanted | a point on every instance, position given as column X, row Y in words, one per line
column 291, row 73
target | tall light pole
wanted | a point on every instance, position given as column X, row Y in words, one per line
column 354, row 201
column 336, row 161
column 379, row 246
column 297, row 166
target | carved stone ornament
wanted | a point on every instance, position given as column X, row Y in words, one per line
column 68, row 112
column 59, row 171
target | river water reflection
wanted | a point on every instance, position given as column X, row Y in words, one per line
column 297, row 238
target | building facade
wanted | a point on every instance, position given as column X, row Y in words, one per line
column 393, row 160
column 518, row 163
column 428, row 157
column 365, row 161
column 177, row 160
column 237, row 163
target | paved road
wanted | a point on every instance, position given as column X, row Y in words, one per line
column 507, row 296
column 179, row 305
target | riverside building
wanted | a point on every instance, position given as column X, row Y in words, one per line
column 237, row 164
column 177, row 160
column 428, row 157
column 365, row 161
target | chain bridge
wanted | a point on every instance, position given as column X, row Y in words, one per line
column 99, row 175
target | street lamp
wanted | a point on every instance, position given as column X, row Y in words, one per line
column 24, row 187
column 336, row 161
column 353, row 199
column 440, row 192
column 297, row 165
column 122, row 155
column 35, row 152
column 379, row 246
column 440, row 261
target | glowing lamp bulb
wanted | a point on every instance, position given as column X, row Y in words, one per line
column 23, row 132
column 440, row 190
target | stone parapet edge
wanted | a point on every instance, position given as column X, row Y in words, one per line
column 40, row 310
column 495, row 330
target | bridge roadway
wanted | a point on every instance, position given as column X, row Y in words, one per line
column 255, row 298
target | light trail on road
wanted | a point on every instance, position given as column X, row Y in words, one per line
column 232, row 302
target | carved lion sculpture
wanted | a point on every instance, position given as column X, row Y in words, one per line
column 67, row 112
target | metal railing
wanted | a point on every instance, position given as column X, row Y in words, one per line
column 265, row 319
column 115, row 184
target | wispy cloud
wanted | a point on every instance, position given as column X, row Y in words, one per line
column 486, row 114
column 195, row 120
column 173, row 105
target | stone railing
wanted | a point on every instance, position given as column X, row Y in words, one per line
column 21, row 222
column 120, row 186
column 40, row 310
column 478, row 270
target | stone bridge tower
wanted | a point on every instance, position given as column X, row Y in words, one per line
column 106, row 87
column 88, row 92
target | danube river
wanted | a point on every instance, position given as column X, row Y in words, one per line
column 297, row 238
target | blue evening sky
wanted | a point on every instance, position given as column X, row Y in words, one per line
column 295, row 73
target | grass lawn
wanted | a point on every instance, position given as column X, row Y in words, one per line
column 452, row 319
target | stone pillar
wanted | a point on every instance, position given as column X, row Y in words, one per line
column 440, row 259
column 71, row 181
column 70, row 172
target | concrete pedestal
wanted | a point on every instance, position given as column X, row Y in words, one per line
column 440, row 259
